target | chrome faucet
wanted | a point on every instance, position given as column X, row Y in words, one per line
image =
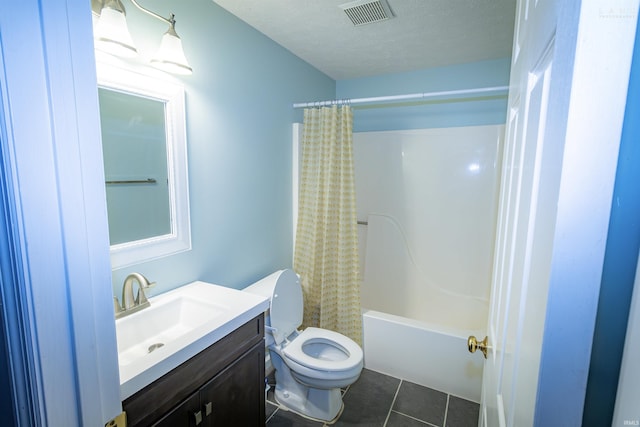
column 129, row 303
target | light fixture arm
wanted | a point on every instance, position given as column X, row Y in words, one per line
column 171, row 21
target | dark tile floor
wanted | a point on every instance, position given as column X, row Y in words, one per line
column 380, row 400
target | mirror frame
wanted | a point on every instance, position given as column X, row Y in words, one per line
column 147, row 85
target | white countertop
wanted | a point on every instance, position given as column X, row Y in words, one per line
column 138, row 367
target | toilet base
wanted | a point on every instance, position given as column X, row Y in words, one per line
column 319, row 405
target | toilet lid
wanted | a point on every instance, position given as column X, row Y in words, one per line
column 352, row 353
column 286, row 307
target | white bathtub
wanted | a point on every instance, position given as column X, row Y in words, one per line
column 414, row 329
column 427, row 202
column 420, row 353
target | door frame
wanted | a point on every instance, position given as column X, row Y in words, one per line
column 620, row 266
column 52, row 164
column 602, row 39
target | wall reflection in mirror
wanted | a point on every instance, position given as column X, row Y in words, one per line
column 135, row 165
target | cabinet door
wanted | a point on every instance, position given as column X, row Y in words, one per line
column 235, row 397
column 187, row 414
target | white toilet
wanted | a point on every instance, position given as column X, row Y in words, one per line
column 311, row 365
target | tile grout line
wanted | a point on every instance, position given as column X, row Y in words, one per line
column 416, row 419
column 446, row 411
column 399, row 415
column 386, row 420
column 271, row 416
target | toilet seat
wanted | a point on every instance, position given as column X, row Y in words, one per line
column 349, row 352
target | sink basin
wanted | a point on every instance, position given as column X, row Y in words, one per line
column 177, row 326
column 161, row 325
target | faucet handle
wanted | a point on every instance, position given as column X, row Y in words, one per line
column 117, row 308
column 141, row 298
column 143, row 281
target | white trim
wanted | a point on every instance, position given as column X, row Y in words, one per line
column 144, row 82
column 594, row 116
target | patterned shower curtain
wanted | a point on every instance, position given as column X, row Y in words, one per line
column 326, row 247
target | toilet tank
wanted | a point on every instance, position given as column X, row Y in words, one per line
column 285, row 302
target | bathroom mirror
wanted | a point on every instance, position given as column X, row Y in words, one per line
column 144, row 150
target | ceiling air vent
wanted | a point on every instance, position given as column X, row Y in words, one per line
column 363, row 12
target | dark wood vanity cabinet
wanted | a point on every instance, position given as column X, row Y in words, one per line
column 221, row 386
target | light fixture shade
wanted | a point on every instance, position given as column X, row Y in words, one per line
column 112, row 33
column 170, row 56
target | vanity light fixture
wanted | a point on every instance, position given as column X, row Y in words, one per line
column 112, row 36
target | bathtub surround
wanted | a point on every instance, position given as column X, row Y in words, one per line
column 326, row 246
column 429, row 197
column 427, row 201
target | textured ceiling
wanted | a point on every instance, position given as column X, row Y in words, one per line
column 423, row 33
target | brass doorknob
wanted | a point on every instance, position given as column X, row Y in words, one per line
column 474, row 344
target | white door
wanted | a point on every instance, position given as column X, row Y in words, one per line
column 558, row 172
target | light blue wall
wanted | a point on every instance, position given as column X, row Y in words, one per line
column 239, row 117
column 483, row 111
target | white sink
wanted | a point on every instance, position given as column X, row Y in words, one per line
column 177, row 326
column 165, row 322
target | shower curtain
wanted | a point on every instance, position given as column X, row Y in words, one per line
column 326, row 247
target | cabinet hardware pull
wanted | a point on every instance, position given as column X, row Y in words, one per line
column 208, row 407
column 198, row 417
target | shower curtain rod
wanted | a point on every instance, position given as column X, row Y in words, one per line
column 395, row 98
